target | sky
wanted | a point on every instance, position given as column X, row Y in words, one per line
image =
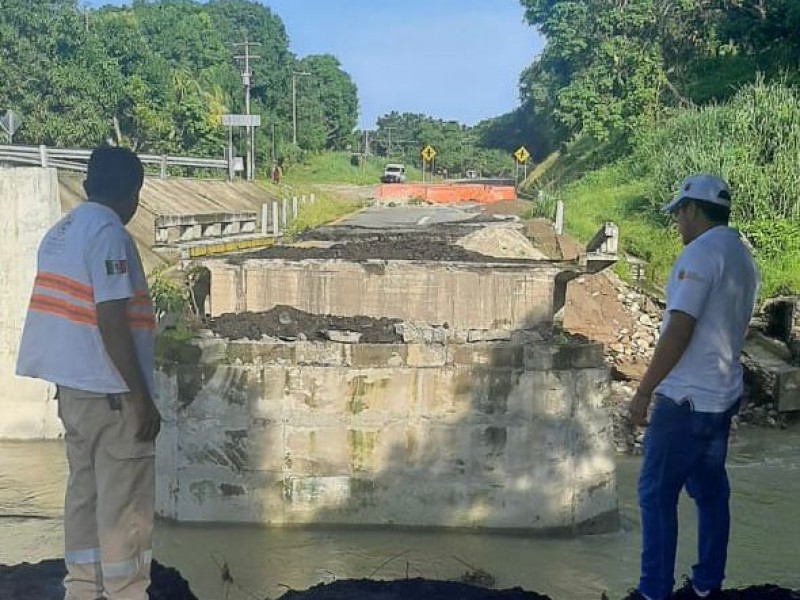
column 450, row 59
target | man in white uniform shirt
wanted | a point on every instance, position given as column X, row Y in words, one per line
column 89, row 330
column 696, row 379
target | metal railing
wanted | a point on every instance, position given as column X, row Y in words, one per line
column 77, row 160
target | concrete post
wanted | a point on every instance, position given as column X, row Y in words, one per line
column 43, row 156
column 294, row 208
column 163, row 164
column 285, row 213
column 30, row 200
column 559, row 226
column 275, row 230
column 313, row 198
column 264, row 217
column 303, row 200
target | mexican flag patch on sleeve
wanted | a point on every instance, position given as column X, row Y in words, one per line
column 116, row 267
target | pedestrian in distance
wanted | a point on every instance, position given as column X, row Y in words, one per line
column 89, row 330
column 277, row 173
column 695, row 378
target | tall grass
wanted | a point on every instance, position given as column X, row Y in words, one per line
column 753, row 141
column 325, row 210
column 612, row 194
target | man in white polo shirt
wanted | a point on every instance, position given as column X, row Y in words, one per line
column 696, row 378
column 89, row 330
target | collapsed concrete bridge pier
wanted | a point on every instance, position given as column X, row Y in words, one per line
column 339, row 384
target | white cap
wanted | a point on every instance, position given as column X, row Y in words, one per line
column 703, row 188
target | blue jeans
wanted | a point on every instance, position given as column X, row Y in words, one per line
column 683, row 447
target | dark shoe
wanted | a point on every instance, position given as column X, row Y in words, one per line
column 687, row 592
column 634, row 594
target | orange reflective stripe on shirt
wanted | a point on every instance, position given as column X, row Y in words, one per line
column 141, row 299
column 141, row 321
column 65, row 285
column 138, row 318
column 63, row 309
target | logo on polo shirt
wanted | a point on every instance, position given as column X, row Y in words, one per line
column 116, row 267
column 690, row 275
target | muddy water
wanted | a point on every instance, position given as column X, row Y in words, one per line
column 765, row 473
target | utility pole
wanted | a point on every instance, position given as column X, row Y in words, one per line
column 389, row 129
column 246, row 77
column 274, row 154
column 295, row 75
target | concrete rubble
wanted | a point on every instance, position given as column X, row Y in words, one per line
column 772, row 376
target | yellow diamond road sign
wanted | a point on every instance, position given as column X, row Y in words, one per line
column 428, row 153
column 522, row 154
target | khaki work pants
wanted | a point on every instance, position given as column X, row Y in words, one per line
column 108, row 512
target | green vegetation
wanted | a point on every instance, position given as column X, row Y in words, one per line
column 157, row 76
column 753, row 141
column 169, row 297
column 172, row 303
column 628, row 99
column 611, row 194
column 344, row 168
column 401, row 136
column 325, row 209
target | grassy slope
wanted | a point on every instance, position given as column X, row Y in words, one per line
column 750, row 137
column 593, row 196
column 601, row 195
column 335, row 167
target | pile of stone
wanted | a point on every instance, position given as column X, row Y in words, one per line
column 638, row 343
column 627, row 439
column 768, row 381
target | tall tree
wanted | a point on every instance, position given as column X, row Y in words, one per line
column 157, row 75
column 55, row 74
column 329, row 103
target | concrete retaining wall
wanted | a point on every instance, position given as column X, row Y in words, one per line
column 467, row 435
column 30, row 203
column 465, row 296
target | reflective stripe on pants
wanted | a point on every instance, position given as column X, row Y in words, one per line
column 108, row 513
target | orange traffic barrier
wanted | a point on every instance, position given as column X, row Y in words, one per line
column 447, row 193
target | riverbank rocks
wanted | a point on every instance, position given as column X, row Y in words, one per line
column 634, row 345
column 630, row 354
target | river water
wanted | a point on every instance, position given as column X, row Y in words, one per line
column 765, row 476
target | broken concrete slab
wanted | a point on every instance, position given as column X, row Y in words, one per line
column 770, row 372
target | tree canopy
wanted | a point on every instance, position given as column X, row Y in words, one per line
column 610, row 67
column 157, row 76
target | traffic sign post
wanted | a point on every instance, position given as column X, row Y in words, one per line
column 522, row 156
column 428, row 155
column 249, row 122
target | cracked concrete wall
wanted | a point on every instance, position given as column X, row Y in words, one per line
column 486, row 435
column 30, row 201
column 466, row 296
